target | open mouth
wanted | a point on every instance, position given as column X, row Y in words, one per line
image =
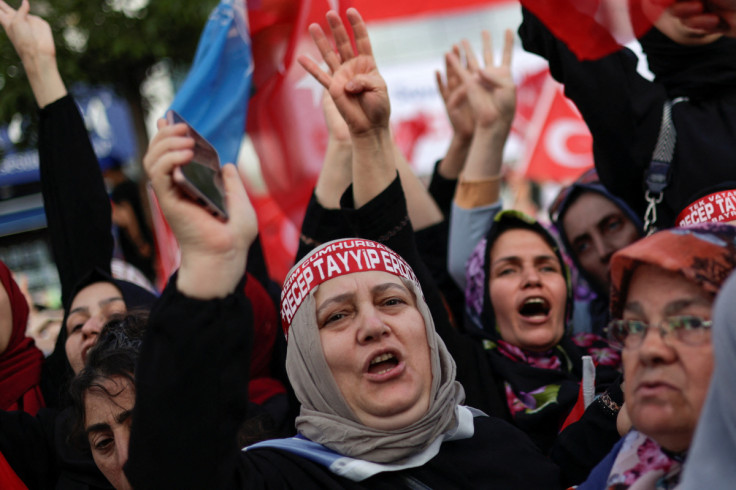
column 382, row 363
column 535, row 307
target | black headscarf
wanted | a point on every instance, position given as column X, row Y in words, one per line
column 57, row 372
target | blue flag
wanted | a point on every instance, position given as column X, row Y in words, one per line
column 214, row 96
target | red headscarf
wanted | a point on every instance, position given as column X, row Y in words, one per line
column 20, row 363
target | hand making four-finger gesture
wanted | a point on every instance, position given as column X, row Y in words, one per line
column 355, row 85
column 491, row 89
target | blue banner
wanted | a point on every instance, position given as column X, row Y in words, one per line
column 214, row 96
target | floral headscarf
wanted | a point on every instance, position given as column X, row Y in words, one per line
column 540, row 387
column 704, row 254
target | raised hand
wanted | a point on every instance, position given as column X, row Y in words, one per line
column 30, row 35
column 454, row 94
column 491, row 89
column 32, row 39
column 712, row 16
column 213, row 253
column 353, row 80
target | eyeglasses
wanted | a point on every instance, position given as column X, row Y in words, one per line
column 589, row 177
column 690, row 330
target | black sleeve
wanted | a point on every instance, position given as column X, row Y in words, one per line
column 622, row 109
column 27, row 444
column 75, row 200
column 320, row 225
column 385, row 219
column 191, row 392
column 582, row 445
column 442, row 190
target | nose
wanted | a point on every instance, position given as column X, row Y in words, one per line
column 92, row 326
column 372, row 327
column 603, row 249
column 654, row 349
column 531, row 277
column 122, row 447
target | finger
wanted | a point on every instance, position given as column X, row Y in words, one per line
column 340, row 34
column 313, row 68
column 707, row 22
column 324, row 47
column 453, row 79
column 169, row 139
column 458, row 67
column 508, row 48
column 363, row 83
column 457, row 96
column 687, row 8
column 24, row 8
column 441, row 85
column 487, row 48
column 470, row 58
column 360, row 32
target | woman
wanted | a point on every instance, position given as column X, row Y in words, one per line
column 668, row 280
column 103, row 396
column 20, row 360
column 593, row 224
column 518, row 302
column 380, row 405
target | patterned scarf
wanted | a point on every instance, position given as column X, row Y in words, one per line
column 642, row 464
column 541, row 388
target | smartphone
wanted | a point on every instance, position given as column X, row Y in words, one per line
column 201, row 178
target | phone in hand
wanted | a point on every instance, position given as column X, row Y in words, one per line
column 201, row 178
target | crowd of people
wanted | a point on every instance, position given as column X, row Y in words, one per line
column 425, row 337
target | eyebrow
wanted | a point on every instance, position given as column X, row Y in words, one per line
column 102, row 303
column 104, row 426
column 516, row 258
column 672, row 308
column 340, row 298
column 380, row 288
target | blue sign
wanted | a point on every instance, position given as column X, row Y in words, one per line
column 110, row 127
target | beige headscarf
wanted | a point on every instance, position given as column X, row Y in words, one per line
column 325, row 416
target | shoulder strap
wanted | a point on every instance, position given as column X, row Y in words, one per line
column 657, row 176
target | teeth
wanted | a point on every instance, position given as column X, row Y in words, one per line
column 381, row 358
column 531, row 301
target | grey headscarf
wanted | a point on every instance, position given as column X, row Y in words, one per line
column 325, row 416
column 710, row 461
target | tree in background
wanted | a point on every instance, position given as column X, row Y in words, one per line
column 107, row 42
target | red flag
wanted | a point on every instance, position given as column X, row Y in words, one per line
column 373, row 10
column 285, row 119
column 559, row 146
column 593, row 29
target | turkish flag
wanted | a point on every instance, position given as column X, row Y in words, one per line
column 558, row 144
column 285, row 121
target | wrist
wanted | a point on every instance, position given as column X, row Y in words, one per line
column 203, row 276
column 496, row 131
